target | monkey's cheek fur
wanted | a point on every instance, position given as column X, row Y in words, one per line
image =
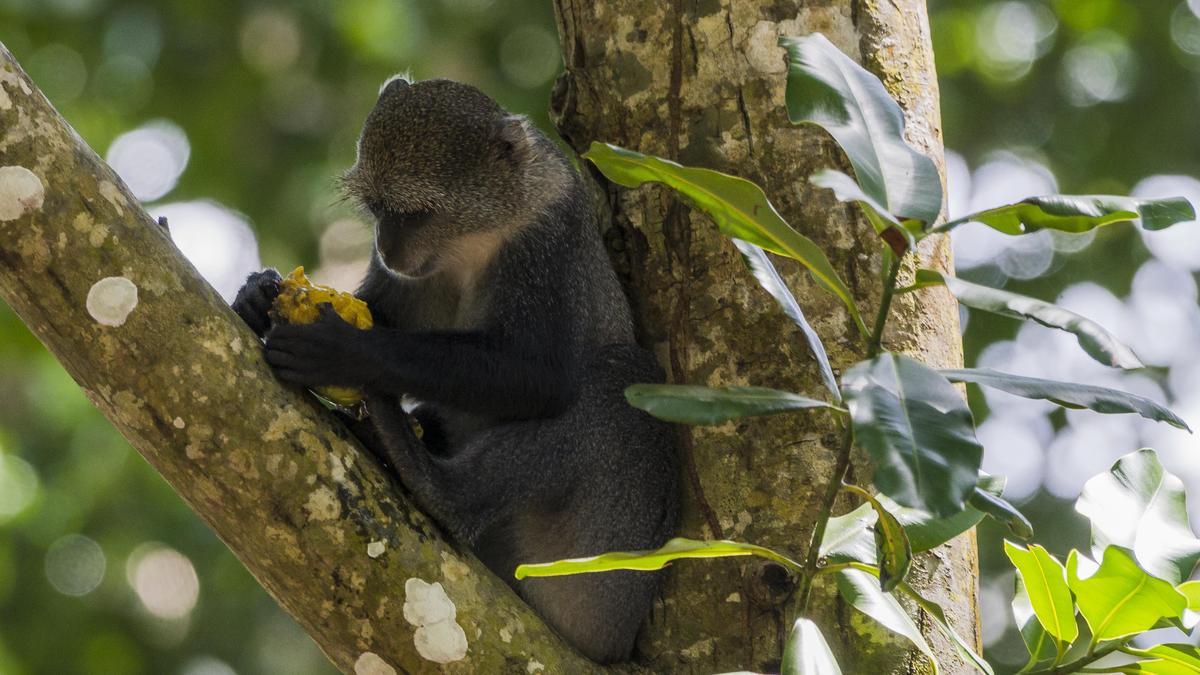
column 299, row 303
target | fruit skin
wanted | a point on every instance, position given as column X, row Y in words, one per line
column 298, row 303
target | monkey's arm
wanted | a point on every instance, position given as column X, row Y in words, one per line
column 472, row 371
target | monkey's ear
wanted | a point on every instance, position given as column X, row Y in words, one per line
column 399, row 82
column 516, row 140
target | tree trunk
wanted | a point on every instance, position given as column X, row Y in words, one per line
column 702, row 82
column 308, row 512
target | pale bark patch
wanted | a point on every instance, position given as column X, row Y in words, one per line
column 369, row 663
column 111, row 300
column 438, row 637
column 21, row 192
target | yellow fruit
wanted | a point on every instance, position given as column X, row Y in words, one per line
column 298, row 303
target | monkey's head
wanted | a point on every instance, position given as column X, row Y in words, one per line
column 438, row 161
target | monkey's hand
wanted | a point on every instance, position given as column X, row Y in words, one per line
column 328, row 351
column 254, row 300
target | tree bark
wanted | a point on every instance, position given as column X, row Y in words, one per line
column 702, row 82
column 283, row 484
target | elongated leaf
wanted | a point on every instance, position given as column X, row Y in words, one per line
column 688, row 404
column 807, row 653
column 675, row 549
column 862, row 591
column 1045, row 583
column 850, row 536
column 1168, row 659
column 1069, row 213
column 845, row 189
column 1068, row 394
column 892, row 549
column 918, row 430
column 1154, row 667
column 1095, row 340
column 1120, row 599
column 1191, row 591
column 827, row 88
column 738, row 207
column 763, row 269
column 1141, row 506
column 1041, row 645
column 934, row 610
column 999, row 509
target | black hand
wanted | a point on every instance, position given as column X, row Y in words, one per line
column 328, row 351
column 255, row 298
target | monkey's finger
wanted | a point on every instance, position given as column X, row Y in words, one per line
column 280, row 359
column 297, row 377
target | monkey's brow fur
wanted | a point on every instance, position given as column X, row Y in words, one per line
column 515, row 333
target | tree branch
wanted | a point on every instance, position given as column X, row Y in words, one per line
column 275, row 476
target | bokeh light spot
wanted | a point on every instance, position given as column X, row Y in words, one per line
column 216, row 240
column 59, row 71
column 529, row 56
column 1101, row 68
column 150, row 159
column 75, row 565
column 270, row 39
column 18, row 486
column 1011, row 36
column 165, row 581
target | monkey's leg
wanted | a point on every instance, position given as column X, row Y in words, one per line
column 426, row 477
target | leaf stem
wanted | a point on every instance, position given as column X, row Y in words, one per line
column 885, row 307
column 1076, row 665
column 812, row 558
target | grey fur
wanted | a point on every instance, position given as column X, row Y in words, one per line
column 484, row 228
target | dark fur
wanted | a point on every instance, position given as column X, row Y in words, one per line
column 496, row 306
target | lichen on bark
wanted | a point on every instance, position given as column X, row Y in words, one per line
column 281, row 481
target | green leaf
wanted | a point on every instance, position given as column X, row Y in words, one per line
column 919, row 431
column 999, row 509
column 768, row 277
column 1068, row 394
column 827, row 88
column 893, row 551
column 1120, row 599
column 845, row 189
column 1191, row 591
column 1141, row 506
column 965, row 650
column 738, row 207
column 1068, row 213
column 850, row 536
column 1152, row 667
column 807, row 653
column 863, row 592
column 1168, row 659
column 1046, row 585
column 675, row 549
column 689, row 404
column 1041, row 645
column 1095, row 340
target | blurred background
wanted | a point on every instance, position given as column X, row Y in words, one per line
column 231, row 118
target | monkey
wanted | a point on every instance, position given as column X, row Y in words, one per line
column 497, row 308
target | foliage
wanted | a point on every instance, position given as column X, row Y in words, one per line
column 912, row 421
column 266, row 141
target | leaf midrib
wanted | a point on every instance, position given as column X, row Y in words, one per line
column 833, row 282
column 1124, row 601
column 1045, row 581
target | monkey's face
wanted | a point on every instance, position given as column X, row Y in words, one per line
column 437, row 161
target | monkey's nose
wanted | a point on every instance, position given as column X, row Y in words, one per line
column 394, row 85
